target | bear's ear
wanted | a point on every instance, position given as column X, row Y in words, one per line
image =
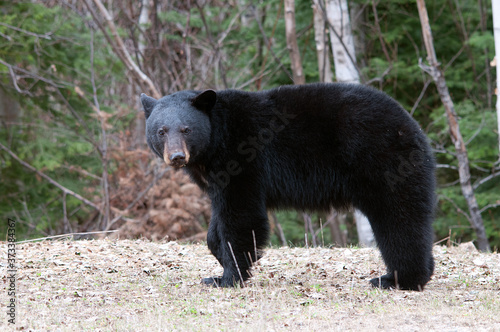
column 148, row 103
column 205, row 100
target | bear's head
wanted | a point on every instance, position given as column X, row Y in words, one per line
column 178, row 125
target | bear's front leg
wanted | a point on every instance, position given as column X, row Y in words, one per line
column 236, row 233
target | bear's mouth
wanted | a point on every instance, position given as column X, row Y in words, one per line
column 177, row 166
column 176, row 157
column 176, row 160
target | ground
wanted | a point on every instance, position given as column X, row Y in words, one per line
column 127, row 285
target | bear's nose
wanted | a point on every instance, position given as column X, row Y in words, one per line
column 178, row 158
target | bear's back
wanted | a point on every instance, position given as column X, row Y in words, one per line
column 312, row 142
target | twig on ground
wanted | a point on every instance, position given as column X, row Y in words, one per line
column 235, row 262
column 63, row 235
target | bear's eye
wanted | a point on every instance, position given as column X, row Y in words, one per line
column 161, row 132
column 185, row 130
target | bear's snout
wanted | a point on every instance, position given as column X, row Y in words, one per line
column 176, row 151
column 178, row 159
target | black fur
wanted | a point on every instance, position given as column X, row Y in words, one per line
column 309, row 147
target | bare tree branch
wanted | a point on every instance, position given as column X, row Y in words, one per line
column 486, row 179
column 457, row 208
column 48, row 178
column 57, row 88
column 14, row 79
column 456, row 137
column 44, row 36
column 447, row 166
column 119, row 48
column 478, row 130
column 78, row 169
column 381, row 77
column 422, row 93
column 270, row 48
column 215, row 46
column 139, row 196
column 379, row 32
column 490, row 206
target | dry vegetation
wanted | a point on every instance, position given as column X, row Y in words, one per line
column 140, row 285
column 144, row 214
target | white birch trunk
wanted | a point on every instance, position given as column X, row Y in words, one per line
column 325, row 71
column 344, row 57
column 143, row 20
column 342, row 41
column 365, row 232
column 140, row 124
column 496, row 30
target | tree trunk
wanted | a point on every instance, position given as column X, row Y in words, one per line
column 325, row 71
column 276, row 228
column 344, row 57
column 143, row 21
column 310, row 229
column 365, row 233
column 140, row 124
column 342, row 41
column 291, row 43
column 484, row 29
column 335, row 220
column 496, row 31
column 456, row 137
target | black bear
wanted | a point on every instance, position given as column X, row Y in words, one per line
column 308, row 147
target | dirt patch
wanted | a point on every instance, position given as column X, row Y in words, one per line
column 141, row 285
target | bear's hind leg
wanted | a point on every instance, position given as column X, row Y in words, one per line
column 401, row 218
column 402, row 225
column 406, row 247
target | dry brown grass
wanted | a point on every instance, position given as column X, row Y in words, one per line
column 125, row 285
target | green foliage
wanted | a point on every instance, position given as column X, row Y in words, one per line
column 52, row 44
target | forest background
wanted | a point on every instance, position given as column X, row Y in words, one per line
column 73, row 157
